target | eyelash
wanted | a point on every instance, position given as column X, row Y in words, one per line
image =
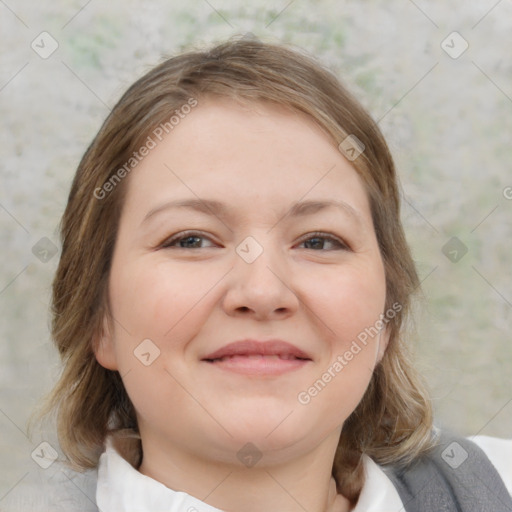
column 168, row 244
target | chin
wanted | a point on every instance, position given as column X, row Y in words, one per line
column 272, row 435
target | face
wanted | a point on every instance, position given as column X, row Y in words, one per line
column 245, row 223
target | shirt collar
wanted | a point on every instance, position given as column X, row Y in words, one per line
column 378, row 493
column 124, row 489
column 121, row 488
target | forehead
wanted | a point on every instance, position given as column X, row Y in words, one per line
column 247, row 154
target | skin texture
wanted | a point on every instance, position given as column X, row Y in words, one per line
column 197, row 295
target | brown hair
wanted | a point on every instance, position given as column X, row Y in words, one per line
column 393, row 421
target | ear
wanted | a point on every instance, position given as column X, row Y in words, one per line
column 104, row 347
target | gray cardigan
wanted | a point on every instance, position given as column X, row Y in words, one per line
column 455, row 477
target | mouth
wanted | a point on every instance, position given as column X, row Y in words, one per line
column 273, row 357
column 251, row 357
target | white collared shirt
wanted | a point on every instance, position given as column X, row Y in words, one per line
column 121, row 488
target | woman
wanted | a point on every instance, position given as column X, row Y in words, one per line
column 229, row 305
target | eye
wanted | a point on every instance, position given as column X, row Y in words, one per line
column 323, row 241
column 187, row 240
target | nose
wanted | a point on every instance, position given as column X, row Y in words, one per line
column 261, row 289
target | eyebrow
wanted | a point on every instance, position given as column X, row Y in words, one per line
column 219, row 209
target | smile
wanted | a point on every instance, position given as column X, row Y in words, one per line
column 259, row 364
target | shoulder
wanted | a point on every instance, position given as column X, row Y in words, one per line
column 57, row 488
column 499, row 452
column 456, row 472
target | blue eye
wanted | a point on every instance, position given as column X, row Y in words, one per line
column 319, row 241
column 196, row 240
column 186, row 240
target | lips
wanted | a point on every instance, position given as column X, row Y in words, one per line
column 255, row 357
column 254, row 349
column 258, row 359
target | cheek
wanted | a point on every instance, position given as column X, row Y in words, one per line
column 347, row 307
column 153, row 300
column 346, row 302
column 166, row 305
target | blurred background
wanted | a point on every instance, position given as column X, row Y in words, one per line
column 437, row 76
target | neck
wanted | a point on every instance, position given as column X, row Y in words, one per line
column 304, row 483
